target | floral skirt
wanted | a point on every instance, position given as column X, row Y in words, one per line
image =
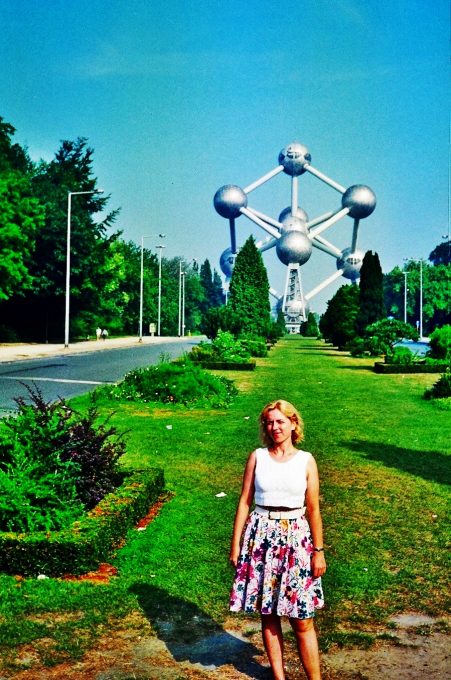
column 273, row 574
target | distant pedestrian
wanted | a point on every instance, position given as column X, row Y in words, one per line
column 104, row 334
column 98, row 332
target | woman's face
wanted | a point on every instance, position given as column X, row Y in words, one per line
column 278, row 426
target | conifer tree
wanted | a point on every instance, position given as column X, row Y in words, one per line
column 249, row 291
column 371, row 295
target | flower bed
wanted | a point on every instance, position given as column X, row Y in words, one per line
column 88, row 542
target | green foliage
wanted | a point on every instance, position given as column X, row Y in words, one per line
column 37, row 494
column 90, row 540
column 53, row 464
column 440, row 343
column 357, row 347
column 225, row 347
column 175, row 383
column 21, row 217
column 337, row 324
column 435, row 285
column 441, row 389
column 382, row 335
column 255, row 345
column 310, row 328
column 441, row 254
column 371, row 293
column 249, row 293
column 400, row 355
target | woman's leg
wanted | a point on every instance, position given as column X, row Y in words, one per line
column 307, row 642
column 273, row 641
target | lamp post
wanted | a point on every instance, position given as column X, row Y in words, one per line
column 68, row 237
column 141, row 289
column 406, row 274
column 421, row 300
column 181, row 330
column 141, row 286
column 183, row 303
column 160, row 246
column 420, row 261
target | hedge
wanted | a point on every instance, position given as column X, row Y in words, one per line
column 88, row 542
column 228, row 365
column 381, row 367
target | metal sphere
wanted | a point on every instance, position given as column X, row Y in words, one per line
column 293, row 247
column 227, row 262
column 351, row 263
column 290, row 223
column 294, row 158
column 229, row 199
column 360, row 200
column 300, row 212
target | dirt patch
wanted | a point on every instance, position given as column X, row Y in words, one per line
column 415, row 647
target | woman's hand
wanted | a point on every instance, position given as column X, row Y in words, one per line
column 233, row 557
column 318, row 564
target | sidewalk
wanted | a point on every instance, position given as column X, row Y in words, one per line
column 16, row 351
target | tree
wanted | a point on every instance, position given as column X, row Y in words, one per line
column 310, row 327
column 435, row 288
column 338, row 323
column 386, row 333
column 249, row 291
column 441, row 253
column 212, row 287
column 371, row 293
column 40, row 314
column 21, row 216
column 12, row 156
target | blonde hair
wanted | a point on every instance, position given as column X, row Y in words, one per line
column 288, row 410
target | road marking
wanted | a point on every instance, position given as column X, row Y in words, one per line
column 55, row 380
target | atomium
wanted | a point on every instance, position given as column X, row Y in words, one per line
column 293, row 235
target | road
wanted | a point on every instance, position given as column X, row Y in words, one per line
column 73, row 374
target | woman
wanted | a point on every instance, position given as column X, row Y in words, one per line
column 279, row 560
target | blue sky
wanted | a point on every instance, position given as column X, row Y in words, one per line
column 179, row 98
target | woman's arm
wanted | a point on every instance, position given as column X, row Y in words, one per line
column 314, row 518
column 244, row 504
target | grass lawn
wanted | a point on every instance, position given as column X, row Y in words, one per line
column 383, row 454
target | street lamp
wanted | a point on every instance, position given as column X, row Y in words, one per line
column 141, row 287
column 420, row 261
column 181, row 301
column 406, row 274
column 160, row 246
column 69, row 208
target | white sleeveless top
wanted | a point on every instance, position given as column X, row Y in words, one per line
column 281, row 484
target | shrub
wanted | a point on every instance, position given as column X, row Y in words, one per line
column 53, row 464
column 224, row 348
column 89, row 541
column 383, row 335
column 175, row 383
column 400, row 355
column 441, row 389
column 254, row 345
column 356, row 347
column 440, row 343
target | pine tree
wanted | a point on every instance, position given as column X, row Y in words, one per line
column 371, row 295
column 249, row 291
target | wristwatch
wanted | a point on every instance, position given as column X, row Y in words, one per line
column 318, row 549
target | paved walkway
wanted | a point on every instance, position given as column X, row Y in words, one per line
column 15, row 351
